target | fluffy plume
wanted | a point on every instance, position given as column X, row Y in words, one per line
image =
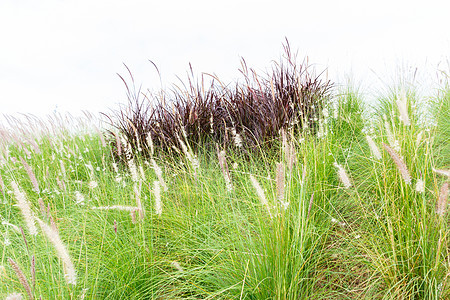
column 158, row 172
column 150, row 143
column 401, row 166
column 441, row 206
column 236, row 138
column 343, row 176
column 133, row 170
column 280, row 181
column 21, row 276
column 189, row 155
column 289, row 151
column 402, row 104
column 14, row 296
column 442, row 172
column 62, row 252
column 157, row 192
column 373, row 147
column 420, row 186
column 225, row 171
column 116, row 207
column 30, row 174
column 390, row 137
column 177, row 266
column 25, row 208
column 260, row 193
column 137, row 194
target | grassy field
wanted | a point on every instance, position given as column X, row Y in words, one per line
column 356, row 209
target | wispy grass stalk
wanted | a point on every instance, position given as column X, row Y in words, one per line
column 25, row 208
column 70, row 273
column 343, row 177
column 401, row 166
column 260, row 193
column 137, row 194
column 31, row 175
column 402, row 104
column 442, row 172
column 22, row 279
column 373, row 147
column 157, row 192
column 280, row 182
column 225, row 171
column 441, row 206
column 117, row 207
column 158, row 173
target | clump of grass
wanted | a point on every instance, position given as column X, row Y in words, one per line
column 244, row 116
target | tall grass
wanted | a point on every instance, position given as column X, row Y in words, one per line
column 352, row 207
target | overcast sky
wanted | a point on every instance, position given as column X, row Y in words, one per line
column 64, row 55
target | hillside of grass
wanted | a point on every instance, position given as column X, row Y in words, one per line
column 232, row 193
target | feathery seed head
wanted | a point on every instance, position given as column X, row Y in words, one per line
column 373, row 147
column 343, row 177
column 61, row 250
column 25, row 208
column 441, row 206
column 401, row 166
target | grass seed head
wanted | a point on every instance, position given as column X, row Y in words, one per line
column 25, row 208
column 401, row 166
column 21, row 276
column 31, row 175
column 68, row 266
column 373, row 147
column 441, row 206
column 343, row 177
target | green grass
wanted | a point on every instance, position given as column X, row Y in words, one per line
column 380, row 238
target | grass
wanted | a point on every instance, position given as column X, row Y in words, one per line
column 323, row 213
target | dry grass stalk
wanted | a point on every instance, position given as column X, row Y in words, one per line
column 343, row 177
column 30, row 174
column 401, row 166
column 133, row 170
column 150, row 143
column 225, row 171
column 137, row 194
column 260, row 193
column 280, row 181
column 290, row 155
column 441, row 206
column 157, row 192
column 373, row 147
column 158, row 172
column 402, row 104
column 21, row 276
column 25, row 208
column 17, row 229
column 61, row 250
column 118, row 144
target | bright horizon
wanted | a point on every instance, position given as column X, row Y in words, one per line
column 64, row 55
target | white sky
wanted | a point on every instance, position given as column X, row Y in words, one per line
column 66, row 54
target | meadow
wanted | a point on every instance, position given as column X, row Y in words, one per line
column 283, row 186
